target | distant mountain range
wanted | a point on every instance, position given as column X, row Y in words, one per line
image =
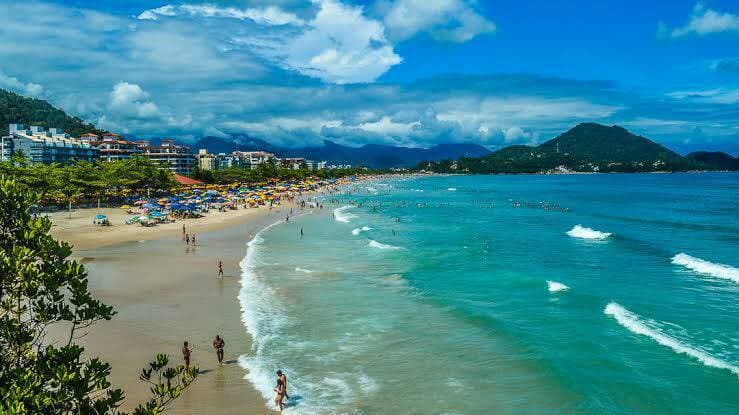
column 369, row 155
column 588, row 147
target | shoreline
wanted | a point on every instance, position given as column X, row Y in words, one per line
column 165, row 292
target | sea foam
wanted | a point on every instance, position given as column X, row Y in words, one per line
column 636, row 325
column 357, row 231
column 707, row 268
column 341, row 214
column 555, row 286
column 303, row 270
column 380, row 245
column 579, row 231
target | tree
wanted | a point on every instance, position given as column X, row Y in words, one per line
column 40, row 287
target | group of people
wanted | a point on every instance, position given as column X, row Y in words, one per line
column 186, row 237
column 219, row 344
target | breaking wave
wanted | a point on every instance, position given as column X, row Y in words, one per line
column 579, row 231
column 555, row 286
column 380, row 245
column 636, row 325
column 341, row 214
column 707, row 268
column 357, row 231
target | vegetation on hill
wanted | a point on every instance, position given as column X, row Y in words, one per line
column 270, row 171
column 17, row 109
column 587, row 147
column 41, row 287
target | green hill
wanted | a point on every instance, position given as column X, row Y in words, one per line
column 16, row 109
column 587, row 147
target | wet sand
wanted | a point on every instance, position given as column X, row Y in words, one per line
column 165, row 293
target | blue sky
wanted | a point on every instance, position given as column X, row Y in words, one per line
column 403, row 72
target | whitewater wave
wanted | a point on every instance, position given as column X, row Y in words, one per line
column 555, row 286
column 452, row 189
column 707, row 268
column 579, row 231
column 303, row 270
column 380, row 245
column 357, row 231
column 341, row 214
column 262, row 316
column 636, row 325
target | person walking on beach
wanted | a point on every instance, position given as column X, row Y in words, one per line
column 186, row 350
column 193, row 239
column 187, row 239
column 281, row 376
column 183, row 232
column 220, row 269
column 219, row 344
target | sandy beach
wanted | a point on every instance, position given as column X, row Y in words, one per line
column 166, row 292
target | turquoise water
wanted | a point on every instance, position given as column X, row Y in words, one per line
column 482, row 298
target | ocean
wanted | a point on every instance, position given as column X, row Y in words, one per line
column 540, row 294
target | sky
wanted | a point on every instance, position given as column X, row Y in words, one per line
column 400, row 72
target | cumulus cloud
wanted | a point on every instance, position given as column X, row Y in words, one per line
column 340, row 45
column 386, row 126
column 704, row 21
column 273, row 16
column 448, row 20
column 129, row 100
column 15, row 85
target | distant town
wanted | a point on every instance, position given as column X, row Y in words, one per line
column 52, row 145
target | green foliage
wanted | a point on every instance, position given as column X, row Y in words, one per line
column 587, row 147
column 41, row 287
column 16, row 109
column 84, row 179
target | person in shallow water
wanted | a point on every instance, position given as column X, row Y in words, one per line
column 219, row 344
column 280, row 394
column 220, row 269
column 281, row 376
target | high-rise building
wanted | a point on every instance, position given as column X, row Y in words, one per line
column 46, row 146
column 177, row 158
column 113, row 147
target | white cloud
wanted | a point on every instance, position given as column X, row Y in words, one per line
column 386, row 126
column 272, row 16
column 516, row 134
column 129, row 100
column 15, row 85
column 711, row 96
column 340, row 46
column 706, row 21
column 448, row 20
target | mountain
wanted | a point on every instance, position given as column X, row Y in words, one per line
column 17, row 109
column 588, row 147
column 370, row 155
column 719, row 160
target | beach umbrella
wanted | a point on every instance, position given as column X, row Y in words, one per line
column 125, row 207
column 101, row 217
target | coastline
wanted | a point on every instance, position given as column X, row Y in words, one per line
column 166, row 292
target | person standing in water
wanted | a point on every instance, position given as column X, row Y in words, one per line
column 301, row 232
column 186, row 350
column 219, row 344
column 187, row 239
column 184, row 232
column 280, row 394
column 220, row 269
column 193, row 239
column 281, row 376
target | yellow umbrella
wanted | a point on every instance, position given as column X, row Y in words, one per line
column 125, row 207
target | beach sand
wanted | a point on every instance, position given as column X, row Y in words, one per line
column 166, row 292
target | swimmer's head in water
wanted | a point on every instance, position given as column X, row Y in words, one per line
column 279, row 373
column 185, row 344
